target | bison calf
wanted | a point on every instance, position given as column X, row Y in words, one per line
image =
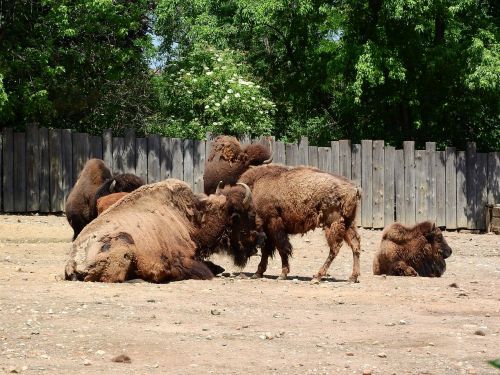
column 107, row 201
column 412, row 251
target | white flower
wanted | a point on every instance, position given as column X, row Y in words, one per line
column 219, row 59
column 261, row 112
column 207, row 106
column 253, row 97
column 216, row 82
column 209, row 73
column 195, row 79
column 217, row 104
column 237, row 95
column 205, row 67
column 229, row 91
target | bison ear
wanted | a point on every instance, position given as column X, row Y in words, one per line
column 430, row 235
column 112, row 186
column 433, row 229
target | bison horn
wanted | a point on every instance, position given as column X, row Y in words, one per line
column 219, row 187
column 268, row 161
column 248, row 194
column 112, row 186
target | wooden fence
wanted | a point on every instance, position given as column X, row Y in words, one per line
column 40, row 166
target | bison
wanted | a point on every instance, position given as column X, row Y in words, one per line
column 412, row 251
column 80, row 203
column 292, row 200
column 163, row 232
column 228, row 160
column 107, row 201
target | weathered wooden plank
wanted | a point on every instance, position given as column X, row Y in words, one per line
column 463, row 211
column 421, row 186
column 313, row 156
column 481, row 190
column 410, row 206
column 8, row 169
column 471, row 183
column 1, row 172
column 153, row 158
column 325, row 159
column 56, row 191
column 389, row 188
column 493, row 177
column 378, row 184
column 279, row 153
column 451, row 188
column 129, row 152
column 345, row 158
column 245, row 140
column 166, row 158
column 67, row 162
column 335, row 146
column 95, row 151
column 303, row 151
column 440, row 199
column 188, row 147
column 199, row 158
column 141, row 158
column 399, row 185
column 208, row 145
column 118, row 155
column 430, row 153
column 107, row 149
column 366, row 182
column 291, row 153
column 19, row 172
column 177, row 158
column 32, row 169
column 80, row 153
column 356, row 175
column 43, row 137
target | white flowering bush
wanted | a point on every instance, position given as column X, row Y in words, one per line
column 211, row 90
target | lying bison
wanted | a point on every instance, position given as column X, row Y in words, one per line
column 124, row 182
column 162, row 232
column 228, row 160
column 107, row 201
column 80, row 203
column 412, row 251
column 295, row 200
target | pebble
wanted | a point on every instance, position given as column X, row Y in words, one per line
column 215, row 312
column 403, row 322
column 13, row 370
column 382, row 355
column 269, row 335
column 480, row 332
column 86, row 362
column 350, row 354
column 122, row 358
column 453, row 285
column 367, row 372
column 100, row 352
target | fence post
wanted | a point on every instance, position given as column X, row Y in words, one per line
column 44, row 170
column 188, row 162
column 378, row 184
column 366, row 183
column 67, row 163
column 471, row 183
column 141, row 158
column 389, row 188
column 440, row 172
column 19, row 172
column 481, row 190
column 56, row 191
column 451, row 188
column 153, row 158
column 303, row 156
column 399, row 182
column 462, row 210
column 356, row 175
column 8, row 170
column 199, row 157
column 410, row 206
column 107, row 149
column 334, row 145
column 430, row 153
column 32, row 169
column 345, row 158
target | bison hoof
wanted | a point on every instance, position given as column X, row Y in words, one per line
column 257, row 276
column 282, row 277
column 353, row 279
column 315, row 280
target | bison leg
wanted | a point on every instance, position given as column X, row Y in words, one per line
column 280, row 238
column 267, row 251
column 402, row 269
column 353, row 240
column 112, row 267
column 334, row 236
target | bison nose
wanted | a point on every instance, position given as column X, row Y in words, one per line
column 446, row 252
column 261, row 239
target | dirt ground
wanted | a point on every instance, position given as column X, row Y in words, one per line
column 234, row 325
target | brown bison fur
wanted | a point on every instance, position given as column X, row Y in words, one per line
column 80, row 203
column 228, row 160
column 162, row 232
column 295, row 200
column 107, row 201
column 412, row 251
column 124, row 182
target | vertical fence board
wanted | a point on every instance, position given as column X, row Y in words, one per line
column 141, row 158
column 95, row 151
column 177, row 159
column 430, row 151
column 451, row 188
column 399, row 184
column 440, row 172
column 188, row 162
column 291, row 152
column 471, row 183
column 481, row 190
column 208, row 144
column 118, row 155
column 378, row 184
column 389, row 160
column 325, row 159
column 199, row 157
column 366, row 182
column 303, row 151
column 44, row 170
column 245, row 140
column 493, row 177
column 81, row 153
column 129, row 151
column 279, row 153
column 345, row 158
column 421, row 186
column 165, row 158
column 462, row 209
column 56, row 191
column 1, row 172
column 20, row 172
column 334, row 145
column 313, row 156
column 107, row 149
column 153, row 158
column 32, row 169
column 8, row 170
column 356, row 175
column 67, row 162
column 410, row 206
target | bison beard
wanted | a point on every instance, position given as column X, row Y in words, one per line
column 420, row 250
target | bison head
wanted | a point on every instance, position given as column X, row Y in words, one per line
column 439, row 244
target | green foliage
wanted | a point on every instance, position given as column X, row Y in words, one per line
column 210, row 90
column 495, row 363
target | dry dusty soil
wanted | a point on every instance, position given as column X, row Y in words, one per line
column 234, row 325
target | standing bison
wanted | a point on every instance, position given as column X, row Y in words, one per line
column 80, row 203
column 107, row 201
column 228, row 160
column 420, row 250
column 162, row 232
column 295, row 200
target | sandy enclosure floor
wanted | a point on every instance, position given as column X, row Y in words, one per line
column 233, row 325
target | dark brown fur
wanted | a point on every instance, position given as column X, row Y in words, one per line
column 80, row 203
column 107, row 201
column 162, row 232
column 420, row 250
column 124, row 182
column 228, row 160
column 295, row 200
